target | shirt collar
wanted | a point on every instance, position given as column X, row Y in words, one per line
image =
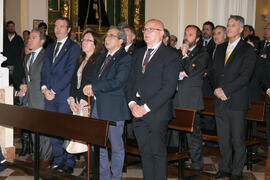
column 37, row 50
column 208, row 40
column 234, row 43
column 127, row 47
column 112, row 52
column 63, row 40
column 155, row 46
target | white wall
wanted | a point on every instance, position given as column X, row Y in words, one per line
column 166, row 11
column 36, row 9
column 23, row 12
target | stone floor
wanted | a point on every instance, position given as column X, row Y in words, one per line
column 134, row 172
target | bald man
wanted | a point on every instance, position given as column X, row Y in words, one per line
column 149, row 91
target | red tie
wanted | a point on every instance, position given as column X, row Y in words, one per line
column 105, row 63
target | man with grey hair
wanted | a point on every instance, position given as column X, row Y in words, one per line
column 34, row 97
column 233, row 66
column 131, row 36
column 108, row 102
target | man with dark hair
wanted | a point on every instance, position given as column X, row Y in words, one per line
column 109, row 100
column 166, row 37
column 173, row 41
column 233, row 66
column 193, row 63
column 207, row 33
column 57, row 70
column 12, row 49
column 43, row 27
column 26, row 34
column 151, row 85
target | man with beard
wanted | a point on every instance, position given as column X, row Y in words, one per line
column 207, row 31
column 193, row 62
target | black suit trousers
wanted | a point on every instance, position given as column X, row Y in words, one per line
column 151, row 138
column 231, row 128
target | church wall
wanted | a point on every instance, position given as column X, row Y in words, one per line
column 262, row 16
column 23, row 12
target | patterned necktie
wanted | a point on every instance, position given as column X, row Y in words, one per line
column 31, row 60
column 228, row 53
column 146, row 59
column 105, row 63
column 56, row 50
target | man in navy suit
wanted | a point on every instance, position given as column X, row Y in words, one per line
column 109, row 100
column 59, row 64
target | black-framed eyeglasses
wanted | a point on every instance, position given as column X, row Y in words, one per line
column 87, row 40
column 110, row 36
column 266, row 28
column 151, row 29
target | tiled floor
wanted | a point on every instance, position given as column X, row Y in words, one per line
column 134, row 172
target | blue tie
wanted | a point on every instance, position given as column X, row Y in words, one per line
column 56, row 49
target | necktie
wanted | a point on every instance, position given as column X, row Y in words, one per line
column 56, row 50
column 105, row 63
column 265, row 47
column 31, row 60
column 228, row 53
column 205, row 43
column 146, row 59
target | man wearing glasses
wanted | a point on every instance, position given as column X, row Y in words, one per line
column 109, row 101
column 151, row 85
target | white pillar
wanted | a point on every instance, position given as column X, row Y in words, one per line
column 6, row 96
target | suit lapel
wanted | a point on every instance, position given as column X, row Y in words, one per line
column 234, row 53
column 154, row 58
column 140, row 61
column 39, row 57
column 62, row 52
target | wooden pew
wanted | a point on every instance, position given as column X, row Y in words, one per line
column 267, row 166
column 184, row 123
column 255, row 113
column 86, row 129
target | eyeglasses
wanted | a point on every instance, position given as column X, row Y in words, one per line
column 266, row 28
column 87, row 40
column 110, row 35
column 151, row 29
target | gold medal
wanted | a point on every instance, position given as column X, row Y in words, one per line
column 264, row 56
column 143, row 69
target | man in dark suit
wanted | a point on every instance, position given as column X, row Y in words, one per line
column 33, row 95
column 233, row 66
column 12, row 49
column 207, row 33
column 193, row 64
column 219, row 37
column 151, row 85
column 57, row 70
column 109, row 100
column 131, row 36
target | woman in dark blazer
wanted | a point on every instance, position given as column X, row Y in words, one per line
column 91, row 49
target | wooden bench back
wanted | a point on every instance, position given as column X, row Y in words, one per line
column 254, row 113
column 267, row 166
column 93, row 131
column 184, row 120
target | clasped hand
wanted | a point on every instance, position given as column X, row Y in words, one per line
column 137, row 111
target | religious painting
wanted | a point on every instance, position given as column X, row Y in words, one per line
column 54, row 5
column 36, row 22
